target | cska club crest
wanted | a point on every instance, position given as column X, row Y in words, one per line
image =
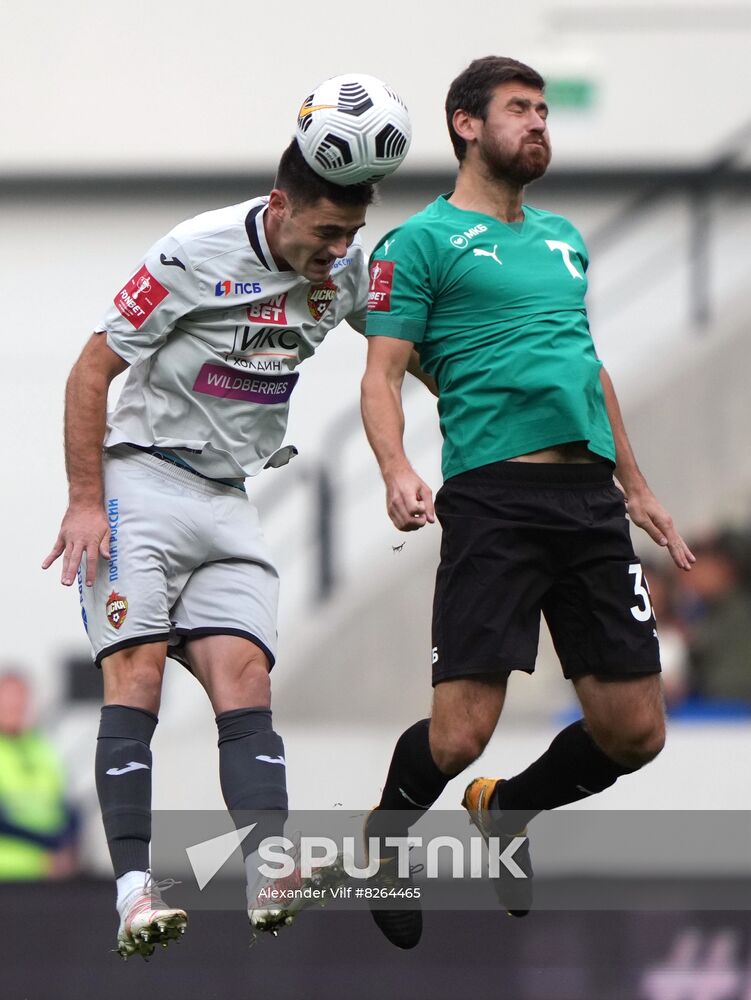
column 320, row 298
column 117, row 609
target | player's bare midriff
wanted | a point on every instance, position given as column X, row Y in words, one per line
column 572, row 453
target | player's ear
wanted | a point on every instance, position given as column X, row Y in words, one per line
column 465, row 124
column 279, row 203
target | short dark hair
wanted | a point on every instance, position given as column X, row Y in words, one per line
column 472, row 90
column 305, row 186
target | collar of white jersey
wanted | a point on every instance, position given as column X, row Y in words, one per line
column 256, row 231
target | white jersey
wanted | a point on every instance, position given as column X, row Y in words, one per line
column 213, row 332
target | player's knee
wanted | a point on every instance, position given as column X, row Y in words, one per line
column 253, row 668
column 636, row 746
column 243, row 681
column 254, row 680
column 650, row 743
column 134, row 677
column 454, row 751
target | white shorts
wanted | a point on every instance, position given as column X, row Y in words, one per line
column 188, row 559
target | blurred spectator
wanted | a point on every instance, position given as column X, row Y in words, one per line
column 37, row 828
column 717, row 609
column 674, row 654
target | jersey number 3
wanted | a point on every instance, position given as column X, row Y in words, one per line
column 641, row 612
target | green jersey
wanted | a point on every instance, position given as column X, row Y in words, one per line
column 496, row 311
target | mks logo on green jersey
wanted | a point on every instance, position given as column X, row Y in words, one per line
column 461, row 240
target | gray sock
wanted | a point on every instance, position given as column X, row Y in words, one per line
column 253, row 773
column 123, row 782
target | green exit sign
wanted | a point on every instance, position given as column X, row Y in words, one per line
column 577, row 92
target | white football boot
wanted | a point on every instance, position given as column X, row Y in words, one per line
column 146, row 920
column 274, row 903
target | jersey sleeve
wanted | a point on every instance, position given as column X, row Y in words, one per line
column 145, row 310
column 357, row 317
column 399, row 292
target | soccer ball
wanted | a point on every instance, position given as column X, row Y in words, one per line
column 353, row 129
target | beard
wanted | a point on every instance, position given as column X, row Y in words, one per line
column 527, row 164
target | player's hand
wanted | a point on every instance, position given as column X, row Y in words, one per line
column 84, row 530
column 409, row 501
column 645, row 511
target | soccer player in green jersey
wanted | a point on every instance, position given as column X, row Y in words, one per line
column 491, row 293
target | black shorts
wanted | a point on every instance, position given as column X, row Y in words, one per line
column 520, row 538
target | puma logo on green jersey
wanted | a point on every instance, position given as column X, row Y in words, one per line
column 487, row 253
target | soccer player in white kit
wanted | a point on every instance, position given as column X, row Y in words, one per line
column 166, row 544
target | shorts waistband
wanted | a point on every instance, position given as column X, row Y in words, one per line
column 564, row 474
column 177, row 473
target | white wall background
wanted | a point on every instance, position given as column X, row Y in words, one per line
column 183, row 85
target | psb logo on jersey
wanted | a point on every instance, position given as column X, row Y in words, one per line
column 379, row 290
column 228, row 287
column 140, row 297
column 461, row 240
column 320, row 298
column 117, row 609
column 270, row 312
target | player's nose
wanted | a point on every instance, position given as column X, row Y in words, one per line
column 536, row 122
column 338, row 247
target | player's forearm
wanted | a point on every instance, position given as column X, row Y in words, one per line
column 85, row 422
column 626, row 467
column 383, row 419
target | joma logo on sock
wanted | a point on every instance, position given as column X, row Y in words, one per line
column 132, row 765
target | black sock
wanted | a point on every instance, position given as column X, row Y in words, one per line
column 572, row 768
column 253, row 773
column 414, row 781
column 123, row 782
